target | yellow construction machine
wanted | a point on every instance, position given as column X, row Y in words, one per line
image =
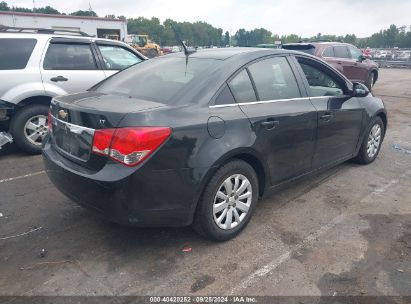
column 144, row 45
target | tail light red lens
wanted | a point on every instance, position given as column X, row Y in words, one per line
column 50, row 121
column 129, row 146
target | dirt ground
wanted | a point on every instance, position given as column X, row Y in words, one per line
column 346, row 231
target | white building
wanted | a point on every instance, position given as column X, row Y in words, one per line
column 98, row 27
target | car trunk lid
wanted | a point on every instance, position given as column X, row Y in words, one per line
column 75, row 118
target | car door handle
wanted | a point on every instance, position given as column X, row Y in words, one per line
column 270, row 124
column 58, row 78
column 327, row 117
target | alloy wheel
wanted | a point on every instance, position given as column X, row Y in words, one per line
column 36, row 129
column 232, row 201
column 374, row 140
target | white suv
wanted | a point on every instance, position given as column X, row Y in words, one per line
column 39, row 64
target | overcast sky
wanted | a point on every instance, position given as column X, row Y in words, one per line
column 302, row 17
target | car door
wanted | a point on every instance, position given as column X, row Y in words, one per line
column 339, row 115
column 358, row 68
column 116, row 57
column 70, row 66
column 343, row 62
column 284, row 122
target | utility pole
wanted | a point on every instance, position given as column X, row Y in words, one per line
column 34, row 6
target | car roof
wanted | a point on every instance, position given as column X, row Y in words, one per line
column 47, row 35
column 227, row 53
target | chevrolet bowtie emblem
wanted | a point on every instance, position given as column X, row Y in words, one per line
column 63, row 114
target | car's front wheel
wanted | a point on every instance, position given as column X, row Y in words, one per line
column 372, row 142
column 228, row 201
column 29, row 127
column 371, row 80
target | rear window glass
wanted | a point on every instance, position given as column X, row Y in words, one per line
column 308, row 49
column 242, row 88
column 61, row 56
column 225, row 97
column 160, row 79
column 15, row 53
column 341, row 52
column 329, row 52
column 274, row 79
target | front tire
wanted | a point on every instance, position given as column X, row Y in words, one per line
column 228, row 202
column 371, row 80
column 29, row 127
column 372, row 142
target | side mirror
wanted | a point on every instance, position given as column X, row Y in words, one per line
column 362, row 58
column 360, row 90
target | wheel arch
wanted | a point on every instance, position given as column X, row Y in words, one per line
column 383, row 117
column 39, row 99
column 375, row 71
column 249, row 156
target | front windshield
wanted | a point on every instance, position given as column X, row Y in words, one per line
column 160, row 79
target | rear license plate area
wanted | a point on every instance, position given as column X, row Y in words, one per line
column 73, row 140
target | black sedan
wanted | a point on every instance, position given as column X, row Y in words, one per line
column 199, row 138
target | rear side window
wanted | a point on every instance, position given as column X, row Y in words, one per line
column 329, row 52
column 225, row 97
column 274, row 79
column 341, row 52
column 242, row 88
column 15, row 53
column 62, row 56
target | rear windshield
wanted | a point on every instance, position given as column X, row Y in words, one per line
column 160, row 79
column 15, row 53
column 301, row 48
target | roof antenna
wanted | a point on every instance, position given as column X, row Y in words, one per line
column 187, row 52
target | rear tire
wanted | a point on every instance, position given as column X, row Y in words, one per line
column 228, row 202
column 21, row 129
column 372, row 142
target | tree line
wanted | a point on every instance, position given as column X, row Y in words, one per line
column 201, row 33
column 44, row 10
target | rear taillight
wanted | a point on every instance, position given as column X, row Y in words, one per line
column 50, row 121
column 129, row 146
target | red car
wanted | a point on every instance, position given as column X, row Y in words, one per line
column 346, row 58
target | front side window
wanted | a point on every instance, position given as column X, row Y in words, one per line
column 117, row 58
column 64, row 56
column 320, row 82
column 341, row 52
column 355, row 53
column 242, row 88
column 274, row 79
column 15, row 53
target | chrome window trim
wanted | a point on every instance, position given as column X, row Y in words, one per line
column 265, row 102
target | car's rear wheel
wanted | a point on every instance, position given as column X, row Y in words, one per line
column 29, row 127
column 228, row 202
column 372, row 142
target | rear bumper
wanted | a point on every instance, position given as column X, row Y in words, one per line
column 147, row 198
